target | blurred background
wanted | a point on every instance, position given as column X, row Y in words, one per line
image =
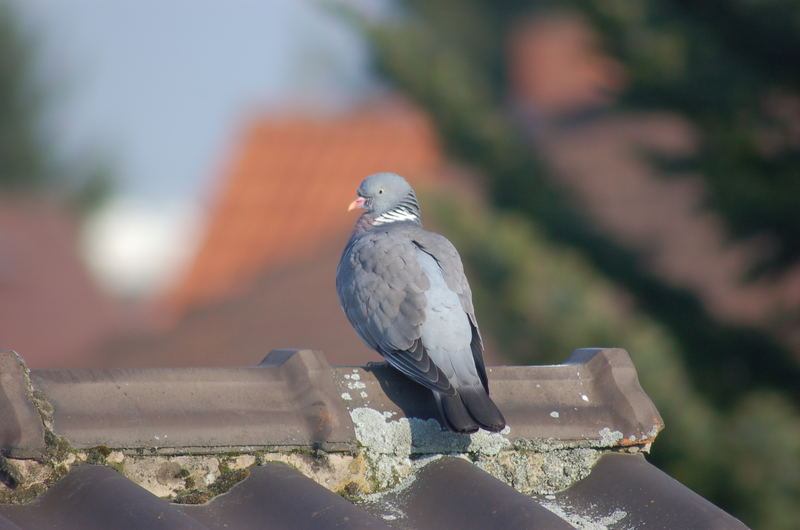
column 174, row 175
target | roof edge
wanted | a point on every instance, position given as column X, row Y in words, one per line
column 364, row 429
column 22, row 432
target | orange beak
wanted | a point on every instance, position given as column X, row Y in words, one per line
column 358, row 203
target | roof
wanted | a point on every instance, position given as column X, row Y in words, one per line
column 448, row 493
column 557, row 66
column 295, row 304
column 44, row 283
column 288, row 185
column 265, row 274
column 296, row 442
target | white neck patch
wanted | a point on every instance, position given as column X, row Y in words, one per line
column 397, row 214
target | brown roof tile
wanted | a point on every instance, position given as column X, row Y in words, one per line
column 289, row 400
column 627, row 492
column 453, row 493
column 593, row 399
column 295, row 398
column 623, row 491
column 276, row 495
column 97, row 498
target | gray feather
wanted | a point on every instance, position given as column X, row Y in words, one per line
column 404, row 290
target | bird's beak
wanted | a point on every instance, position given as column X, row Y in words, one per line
column 358, row 203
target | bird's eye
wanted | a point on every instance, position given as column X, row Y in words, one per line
column 380, row 191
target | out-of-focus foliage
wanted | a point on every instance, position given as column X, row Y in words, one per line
column 23, row 162
column 708, row 378
column 27, row 161
column 731, row 68
column 541, row 301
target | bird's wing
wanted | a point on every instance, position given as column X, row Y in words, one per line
column 446, row 255
column 382, row 290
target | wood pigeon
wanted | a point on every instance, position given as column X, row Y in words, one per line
column 404, row 291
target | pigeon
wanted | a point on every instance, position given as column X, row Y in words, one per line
column 404, row 291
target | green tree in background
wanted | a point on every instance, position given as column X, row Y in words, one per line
column 24, row 164
column 731, row 68
column 710, row 379
column 27, row 163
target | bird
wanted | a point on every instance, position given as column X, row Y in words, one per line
column 405, row 293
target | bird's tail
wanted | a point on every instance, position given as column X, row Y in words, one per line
column 470, row 409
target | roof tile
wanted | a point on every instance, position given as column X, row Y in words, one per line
column 626, row 489
column 277, row 496
column 289, row 400
column 97, row 497
column 593, row 399
column 623, row 491
column 453, row 493
column 295, row 398
column 363, row 432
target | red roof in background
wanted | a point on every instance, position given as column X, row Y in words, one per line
column 264, row 275
column 287, row 188
column 600, row 162
column 557, row 66
column 559, row 70
column 51, row 310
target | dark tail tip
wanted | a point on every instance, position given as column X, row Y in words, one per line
column 454, row 414
column 470, row 409
column 482, row 408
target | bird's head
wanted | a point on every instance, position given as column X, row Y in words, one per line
column 388, row 198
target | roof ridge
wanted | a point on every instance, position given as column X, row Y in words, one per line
column 295, row 403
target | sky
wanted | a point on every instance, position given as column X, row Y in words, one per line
column 161, row 90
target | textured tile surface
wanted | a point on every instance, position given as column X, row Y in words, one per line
column 624, row 491
column 289, row 400
column 594, row 398
column 364, row 449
